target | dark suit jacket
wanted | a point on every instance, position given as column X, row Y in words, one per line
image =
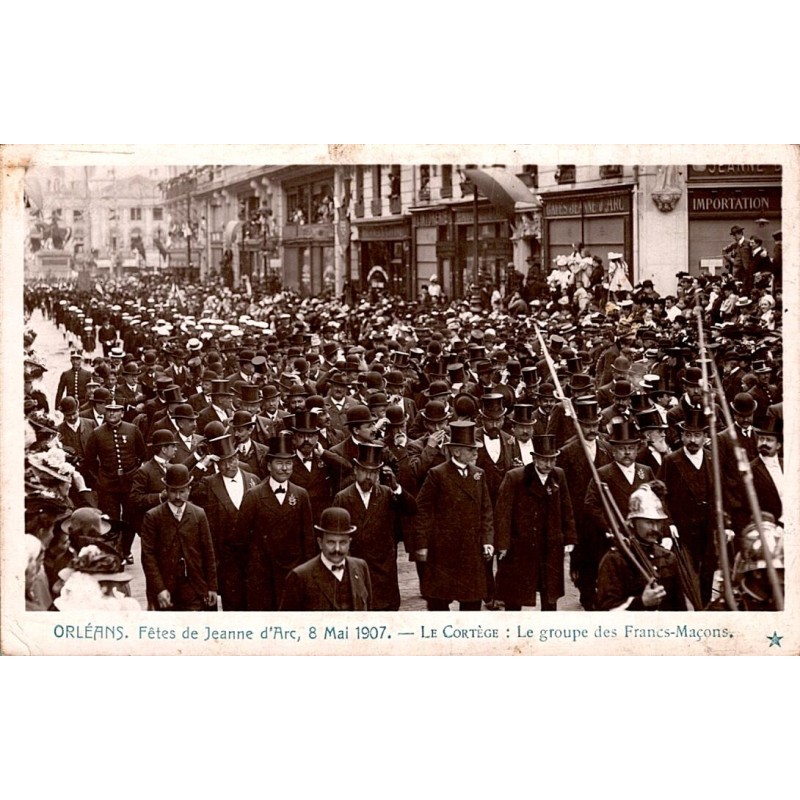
column 768, row 497
column 621, row 491
column 342, row 468
column 495, row 471
column 66, row 385
column 310, row 587
column 208, row 414
column 76, row 440
column 375, row 539
column 165, row 541
column 279, row 537
column 256, row 460
column 100, row 461
column 231, row 552
column 148, row 483
column 339, row 418
column 317, row 482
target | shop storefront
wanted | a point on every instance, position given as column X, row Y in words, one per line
column 723, row 195
column 383, row 251
column 444, row 245
column 602, row 221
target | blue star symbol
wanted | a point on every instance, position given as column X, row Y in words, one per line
column 774, row 639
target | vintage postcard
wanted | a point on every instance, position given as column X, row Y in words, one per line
column 273, row 383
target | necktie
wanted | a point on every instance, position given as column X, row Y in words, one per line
column 337, row 568
column 280, row 490
column 307, row 462
column 243, row 449
column 463, row 472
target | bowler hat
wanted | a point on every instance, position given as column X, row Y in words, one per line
column 338, row 379
column 359, row 414
column 770, row 426
column 736, row 229
column 131, row 368
column 270, row 392
column 434, row 411
column 281, row 446
column 623, row 431
column 622, row 389
column 437, row 389
column 492, row 406
column 101, row 395
column 394, row 378
column 744, row 403
column 177, row 477
column 162, row 438
column 462, row 434
column 465, row 405
column 214, row 429
column 396, row 415
column 305, row 422
column 580, row 382
column 369, row 455
column 246, row 355
column 337, row 521
column 242, row 419
column 692, row 376
column 483, row 367
column 544, row 445
column 522, row 414
column 184, row 411
column 68, row 405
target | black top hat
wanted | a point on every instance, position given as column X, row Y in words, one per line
column 640, row 401
column 623, row 431
column 544, row 445
column 587, row 410
column 369, row 455
column 305, row 422
column 530, row 376
column 580, row 382
column 358, row 415
column 462, row 434
column 335, row 520
column 401, row 359
column 184, row 411
column 760, row 367
column 250, row 393
column 172, row 394
column 162, row 438
column 223, row 446
column 281, row 446
column 650, row 420
column 770, row 426
column 523, row 414
column 492, row 406
column 434, row 411
column 694, row 419
column 242, row 419
column 177, row 477
column 455, row 372
column 220, row 387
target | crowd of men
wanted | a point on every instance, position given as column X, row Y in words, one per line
column 273, row 451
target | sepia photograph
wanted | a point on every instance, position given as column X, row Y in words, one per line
column 545, row 398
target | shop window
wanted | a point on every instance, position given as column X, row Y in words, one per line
column 394, row 189
column 136, row 214
column 424, row 193
column 467, row 186
column 158, row 214
column 77, row 215
column 358, row 210
column 529, row 175
column 611, row 171
column 565, row 173
column 376, row 191
column 447, row 181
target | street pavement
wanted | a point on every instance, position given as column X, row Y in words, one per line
column 53, row 345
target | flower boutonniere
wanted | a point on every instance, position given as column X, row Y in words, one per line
column 292, row 500
column 477, row 476
column 640, row 474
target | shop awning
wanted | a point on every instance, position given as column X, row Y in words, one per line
column 502, row 188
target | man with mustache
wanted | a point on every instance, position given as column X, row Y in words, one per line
column 767, row 467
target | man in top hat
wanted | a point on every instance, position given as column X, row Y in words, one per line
column 534, row 529
column 201, row 399
column 114, row 451
column 654, row 447
column 75, row 430
column 275, row 520
column 221, row 407
column 622, row 476
column 332, row 580
column 688, row 475
column 252, row 455
column 311, row 463
column 621, row 403
column 692, row 398
column 399, row 394
column 546, row 401
column 338, row 402
column 620, row 371
column 148, row 489
column 129, row 391
column 376, row 509
column 178, row 558
column 522, row 425
column 327, row 436
column 270, row 422
column 767, row 467
column 454, row 532
column 220, row 496
column 361, row 425
column 620, row 585
column 163, row 420
column 573, row 459
column 73, row 382
column 559, row 424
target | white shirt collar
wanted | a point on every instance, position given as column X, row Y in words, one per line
column 628, row 472
column 339, row 574
column 696, row 459
column 176, row 510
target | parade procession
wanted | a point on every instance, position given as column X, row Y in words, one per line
column 484, row 390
